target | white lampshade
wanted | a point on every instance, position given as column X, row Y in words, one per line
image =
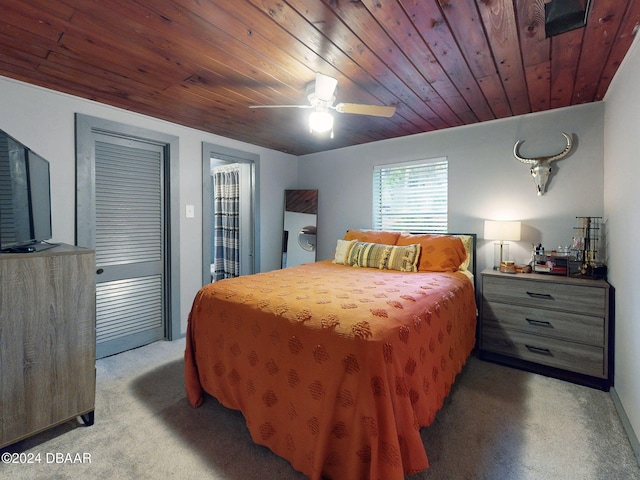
column 498, row 230
column 320, row 121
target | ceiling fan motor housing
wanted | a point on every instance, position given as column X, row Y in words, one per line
column 314, row 100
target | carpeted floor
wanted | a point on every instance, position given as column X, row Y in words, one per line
column 498, row 423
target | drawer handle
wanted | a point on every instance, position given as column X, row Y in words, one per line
column 539, row 350
column 545, row 296
column 539, row 323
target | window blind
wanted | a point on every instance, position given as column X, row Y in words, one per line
column 411, row 197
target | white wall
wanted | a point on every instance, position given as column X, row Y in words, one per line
column 44, row 121
column 621, row 200
column 485, row 180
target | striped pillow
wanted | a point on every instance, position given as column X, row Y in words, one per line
column 404, row 258
column 366, row 254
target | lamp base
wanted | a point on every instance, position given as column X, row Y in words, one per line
column 500, row 253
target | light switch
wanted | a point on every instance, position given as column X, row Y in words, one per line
column 190, row 211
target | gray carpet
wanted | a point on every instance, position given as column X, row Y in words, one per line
column 498, row 423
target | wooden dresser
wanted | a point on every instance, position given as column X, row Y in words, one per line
column 554, row 325
column 47, row 340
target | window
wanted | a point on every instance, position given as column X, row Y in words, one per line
column 411, row 197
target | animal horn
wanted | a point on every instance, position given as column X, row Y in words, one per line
column 550, row 158
column 516, row 153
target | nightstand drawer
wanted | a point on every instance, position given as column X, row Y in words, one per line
column 575, row 357
column 549, row 295
column 561, row 325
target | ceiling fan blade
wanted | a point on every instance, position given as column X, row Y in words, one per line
column 279, row 106
column 325, row 87
column 373, row 110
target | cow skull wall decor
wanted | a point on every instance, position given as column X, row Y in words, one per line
column 541, row 166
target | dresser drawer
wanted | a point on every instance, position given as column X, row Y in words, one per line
column 575, row 357
column 549, row 295
column 556, row 324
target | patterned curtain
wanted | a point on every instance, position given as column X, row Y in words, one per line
column 226, row 214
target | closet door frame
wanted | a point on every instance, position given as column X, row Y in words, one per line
column 86, row 126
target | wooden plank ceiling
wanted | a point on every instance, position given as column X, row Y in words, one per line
column 202, row 63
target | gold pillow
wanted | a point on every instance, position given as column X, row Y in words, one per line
column 467, row 241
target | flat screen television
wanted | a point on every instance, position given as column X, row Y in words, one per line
column 25, row 198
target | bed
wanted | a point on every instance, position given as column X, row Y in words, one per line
column 336, row 365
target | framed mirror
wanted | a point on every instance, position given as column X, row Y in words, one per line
column 300, row 227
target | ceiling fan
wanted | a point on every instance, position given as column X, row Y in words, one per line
column 321, row 96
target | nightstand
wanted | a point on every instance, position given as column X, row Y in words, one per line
column 553, row 325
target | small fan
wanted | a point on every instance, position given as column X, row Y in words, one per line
column 321, row 95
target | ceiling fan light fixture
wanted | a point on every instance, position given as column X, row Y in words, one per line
column 320, row 121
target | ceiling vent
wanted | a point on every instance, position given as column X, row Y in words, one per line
column 564, row 15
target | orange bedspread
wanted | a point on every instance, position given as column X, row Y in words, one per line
column 335, row 368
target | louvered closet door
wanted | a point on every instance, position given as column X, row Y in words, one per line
column 129, row 244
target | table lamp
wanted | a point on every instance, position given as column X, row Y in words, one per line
column 502, row 232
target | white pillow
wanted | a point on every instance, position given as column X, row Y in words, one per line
column 342, row 251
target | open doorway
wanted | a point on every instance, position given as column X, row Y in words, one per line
column 221, row 162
